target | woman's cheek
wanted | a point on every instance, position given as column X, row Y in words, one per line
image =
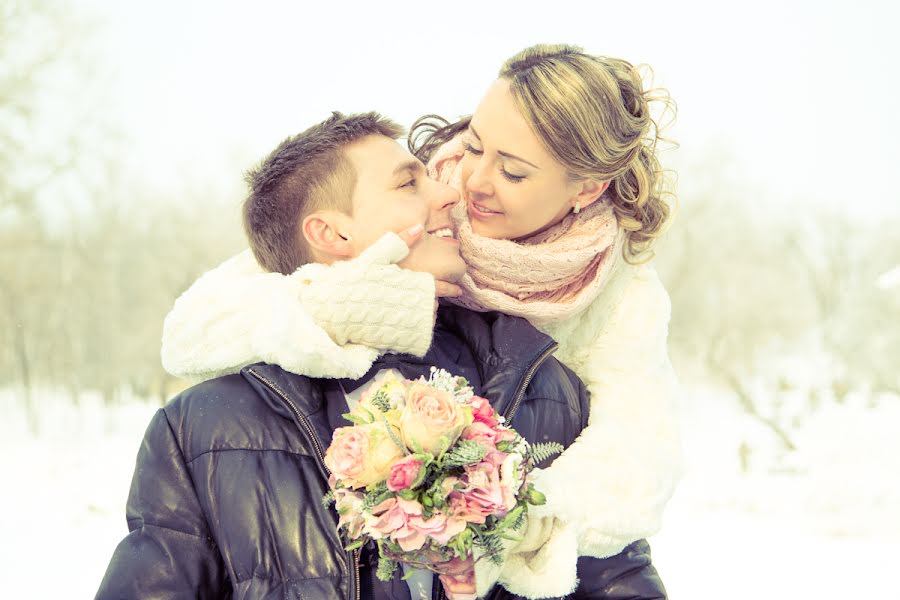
column 467, row 167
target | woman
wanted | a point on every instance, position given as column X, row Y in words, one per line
column 561, row 189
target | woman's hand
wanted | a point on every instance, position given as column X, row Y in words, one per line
column 458, row 578
column 442, row 289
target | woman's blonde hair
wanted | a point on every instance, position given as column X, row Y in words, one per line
column 594, row 117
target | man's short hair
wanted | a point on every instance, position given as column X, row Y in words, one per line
column 305, row 173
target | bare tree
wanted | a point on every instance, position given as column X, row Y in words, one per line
column 751, row 287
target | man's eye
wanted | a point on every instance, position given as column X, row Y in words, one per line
column 411, row 183
column 472, row 150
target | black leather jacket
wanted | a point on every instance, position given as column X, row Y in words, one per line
column 226, row 497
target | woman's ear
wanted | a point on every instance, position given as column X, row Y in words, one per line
column 326, row 234
column 589, row 191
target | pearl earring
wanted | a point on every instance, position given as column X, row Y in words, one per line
column 577, row 208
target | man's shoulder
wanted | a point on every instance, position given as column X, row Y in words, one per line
column 222, row 414
column 218, row 393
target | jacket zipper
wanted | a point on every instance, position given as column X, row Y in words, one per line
column 529, row 375
column 508, row 416
column 304, row 422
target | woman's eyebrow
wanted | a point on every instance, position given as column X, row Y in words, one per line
column 502, row 153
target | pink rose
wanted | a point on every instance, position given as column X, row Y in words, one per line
column 482, row 411
column 495, row 458
column 483, row 495
column 439, row 527
column 391, row 519
column 407, row 537
column 430, row 415
column 403, row 474
column 481, row 432
column 361, row 455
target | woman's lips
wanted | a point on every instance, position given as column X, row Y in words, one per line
column 480, row 212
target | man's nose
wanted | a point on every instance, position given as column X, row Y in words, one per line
column 443, row 197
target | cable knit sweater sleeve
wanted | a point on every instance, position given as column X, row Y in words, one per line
column 320, row 321
column 631, row 447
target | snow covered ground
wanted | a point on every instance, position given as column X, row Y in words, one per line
column 825, row 524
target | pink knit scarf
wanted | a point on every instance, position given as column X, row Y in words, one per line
column 545, row 278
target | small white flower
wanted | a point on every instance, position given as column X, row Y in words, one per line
column 511, row 473
column 458, row 387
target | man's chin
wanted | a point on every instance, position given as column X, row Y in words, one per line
column 456, row 274
column 457, row 277
column 444, row 269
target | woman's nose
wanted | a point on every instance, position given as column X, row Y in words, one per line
column 479, row 181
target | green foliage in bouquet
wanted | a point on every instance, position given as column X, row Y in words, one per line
column 466, row 452
column 376, row 495
column 382, row 401
column 538, row 453
column 386, row 566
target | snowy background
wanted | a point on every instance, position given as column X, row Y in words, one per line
column 824, row 526
column 124, row 130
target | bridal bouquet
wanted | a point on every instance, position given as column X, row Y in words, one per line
column 431, row 473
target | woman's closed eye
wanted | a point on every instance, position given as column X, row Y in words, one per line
column 506, row 174
column 510, row 177
column 410, row 184
column 472, row 150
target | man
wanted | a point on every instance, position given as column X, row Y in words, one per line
column 226, row 496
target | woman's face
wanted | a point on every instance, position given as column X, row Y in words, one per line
column 511, row 184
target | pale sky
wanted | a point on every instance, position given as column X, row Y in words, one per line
column 799, row 98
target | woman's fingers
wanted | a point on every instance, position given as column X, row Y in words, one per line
column 459, row 584
column 442, row 289
column 412, row 235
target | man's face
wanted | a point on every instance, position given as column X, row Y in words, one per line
column 393, row 193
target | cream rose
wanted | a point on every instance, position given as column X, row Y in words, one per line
column 430, row 415
column 391, row 393
column 362, row 455
column 349, row 506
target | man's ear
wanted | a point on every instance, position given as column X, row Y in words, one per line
column 589, row 192
column 325, row 232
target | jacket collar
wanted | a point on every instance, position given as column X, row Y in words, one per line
column 494, row 351
column 507, row 348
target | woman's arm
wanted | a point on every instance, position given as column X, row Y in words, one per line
column 320, row 321
column 607, row 490
column 631, row 447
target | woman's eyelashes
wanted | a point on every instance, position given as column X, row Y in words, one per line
column 472, row 150
column 506, row 174
column 410, row 184
column 510, row 177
